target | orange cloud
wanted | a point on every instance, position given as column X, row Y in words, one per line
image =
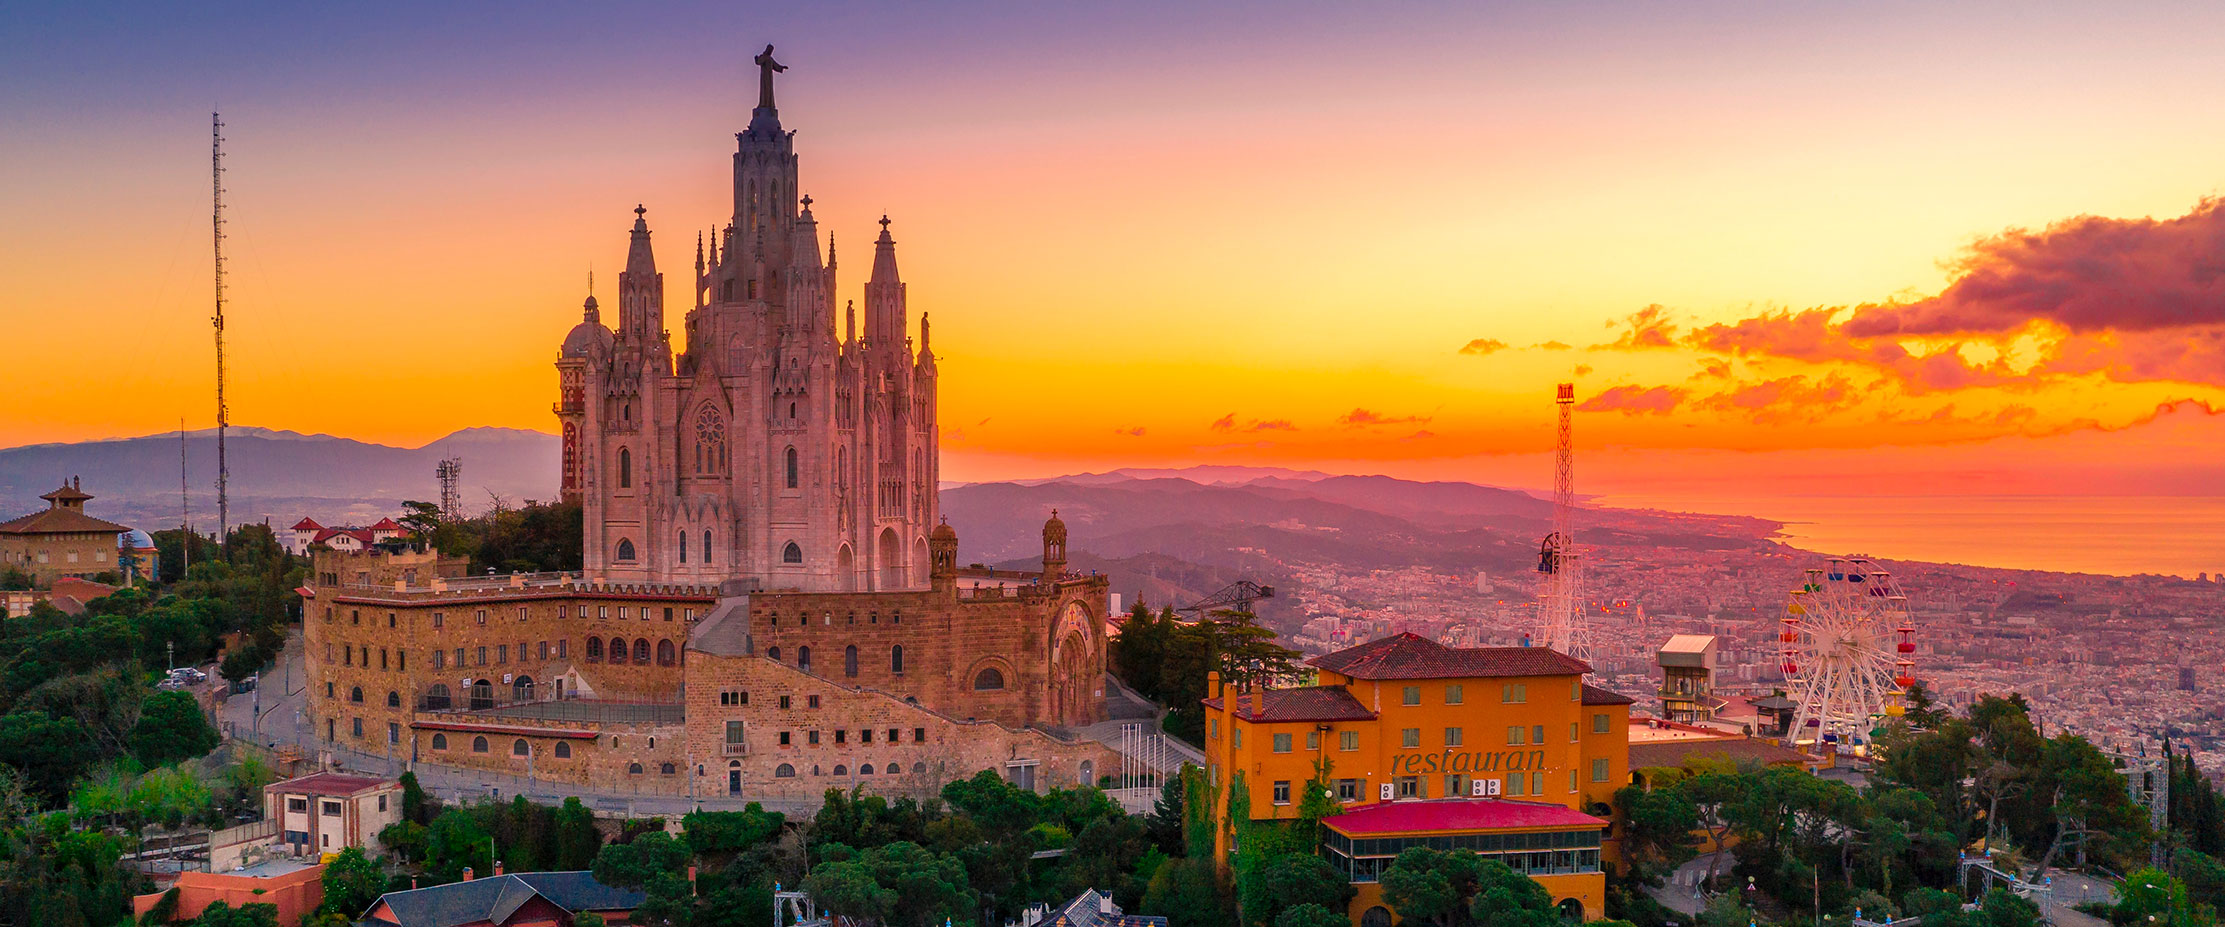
column 1483, row 346
column 1648, row 328
column 1360, row 418
column 1635, row 400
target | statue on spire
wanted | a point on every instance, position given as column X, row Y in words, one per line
column 765, row 68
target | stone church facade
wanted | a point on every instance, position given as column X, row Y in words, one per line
column 774, row 447
column 769, row 604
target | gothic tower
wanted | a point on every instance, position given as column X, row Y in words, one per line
column 771, row 448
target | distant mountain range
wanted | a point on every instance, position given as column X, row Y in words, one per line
column 278, row 475
column 1172, row 535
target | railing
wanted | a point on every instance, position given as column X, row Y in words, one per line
column 734, row 749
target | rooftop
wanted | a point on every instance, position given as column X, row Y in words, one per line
column 1741, row 750
column 1411, row 656
column 326, row 783
column 1594, row 695
column 61, row 521
column 1456, row 815
column 1308, row 703
column 494, row 899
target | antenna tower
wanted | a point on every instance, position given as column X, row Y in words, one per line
column 451, row 501
column 1562, row 605
column 223, row 415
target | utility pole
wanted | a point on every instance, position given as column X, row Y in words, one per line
column 223, row 415
column 185, row 509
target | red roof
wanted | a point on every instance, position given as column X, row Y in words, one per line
column 1455, row 815
column 360, row 534
column 307, row 524
column 1594, row 695
column 1411, row 656
column 61, row 521
column 1309, row 703
column 386, row 524
column 326, row 783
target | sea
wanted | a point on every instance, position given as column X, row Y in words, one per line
column 2119, row 535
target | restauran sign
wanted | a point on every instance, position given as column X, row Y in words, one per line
column 1479, row 761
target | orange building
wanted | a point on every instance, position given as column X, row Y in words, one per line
column 1500, row 750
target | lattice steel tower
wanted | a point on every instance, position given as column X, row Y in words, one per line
column 223, row 414
column 1561, row 609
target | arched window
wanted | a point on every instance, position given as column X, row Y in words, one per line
column 518, row 747
column 633, row 769
column 440, row 741
column 706, row 545
column 522, row 689
column 641, row 650
column 355, row 694
column 803, row 659
column 773, row 654
column 784, row 771
column 617, row 650
column 791, row 459
column 895, row 769
column 625, row 550
column 563, row 750
column 841, row 770
column 896, row 659
column 437, row 697
column 478, row 745
column 482, row 694
column 683, row 545
column 668, row 769
column 625, row 467
column 988, row 680
column 664, row 653
column 865, row 770
column 594, row 650
column 919, row 769
column 791, row 553
column 850, row 660
column 710, row 440
column 393, row 699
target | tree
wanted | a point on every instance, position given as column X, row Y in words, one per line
column 1311, row 915
column 2087, row 799
column 1185, row 892
column 730, row 831
column 634, row 864
column 242, row 662
column 420, row 519
column 2150, row 896
column 1713, row 797
column 222, row 914
column 1658, row 829
column 901, row 884
column 1301, row 879
column 1506, row 898
column 51, row 752
column 577, row 840
column 171, row 728
column 456, row 841
column 1431, row 886
column 352, row 881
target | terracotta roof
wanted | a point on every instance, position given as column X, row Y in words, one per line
column 307, row 524
column 67, row 492
column 1411, row 656
column 1309, row 703
column 329, row 784
column 360, row 534
column 1672, row 753
column 60, row 521
column 1455, row 815
column 1594, row 695
column 385, row 524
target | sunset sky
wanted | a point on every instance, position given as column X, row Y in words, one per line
column 1894, row 249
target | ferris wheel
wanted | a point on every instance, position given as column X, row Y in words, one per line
column 1847, row 641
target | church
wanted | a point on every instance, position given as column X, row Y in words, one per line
column 782, row 444
column 769, row 604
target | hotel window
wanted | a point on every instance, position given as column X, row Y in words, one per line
column 1514, row 693
column 1348, row 740
column 1408, row 787
column 1599, row 724
column 1576, row 689
column 1348, row 790
column 1573, row 736
column 1313, row 740
column 1410, row 737
column 1537, row 734
column 1572, row 780
column 1452, row 736
column 1456, row 785
column 1537, row 782
column 1215, row 731
column 1454, row 695
column 1514, row 783
column 1236, row 734
column 1282, row 791
column 1282, row 745
column 1599, row 770
column 1514, row 735
column 1411, row 696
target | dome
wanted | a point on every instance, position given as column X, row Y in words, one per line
column 139, row 540
column 588, row 334
column 944, row 532
column 1054, row 524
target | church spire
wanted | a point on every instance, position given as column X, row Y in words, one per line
column 884, row 296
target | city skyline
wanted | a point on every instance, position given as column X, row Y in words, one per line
column 1342, row 243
